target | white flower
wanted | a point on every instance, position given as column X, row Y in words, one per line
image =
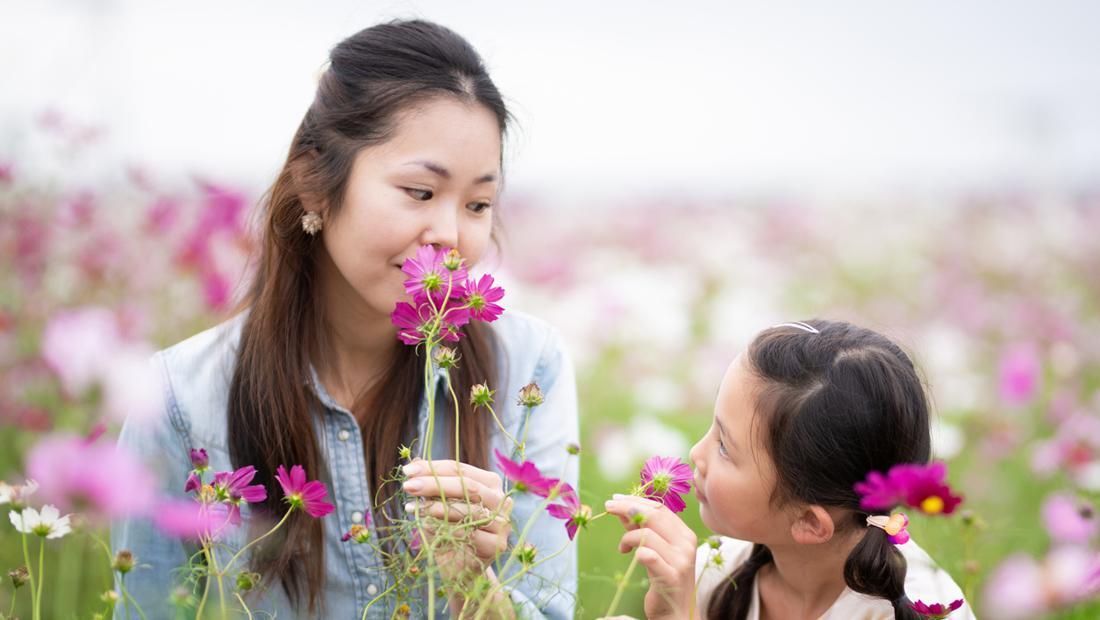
column 48, row 523
column 17, row 494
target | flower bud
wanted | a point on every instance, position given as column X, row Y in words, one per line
column 530, row 395
column 481, row 395
column 573, row 448
column 247, row 580
column 19, row 576
column 526, row 554
column 124, row 561
column 452, row 260
column 404, row 453
column 445, row 357
column 110, row 596
column 199, row 459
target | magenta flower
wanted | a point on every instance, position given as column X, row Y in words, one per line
column 194, row 483
column 1019, row 375
column 525, row 477
column 310, row 496
column 415, row 324
column 1068, row 520
column 666, row 479
column 75, row 474
column 481, row 298
column 232, row 488
column 935, row 611
column 199, row 460
column 190, row 520
column 571, row 510
column 428, row 275
column 918, row 486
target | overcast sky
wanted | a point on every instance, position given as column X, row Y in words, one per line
column 611, row 96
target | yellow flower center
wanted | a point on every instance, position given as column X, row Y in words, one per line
column 932, row 505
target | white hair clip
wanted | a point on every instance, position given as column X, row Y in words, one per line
column 799, row 325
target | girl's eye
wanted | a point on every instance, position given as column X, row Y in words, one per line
column 479, row 207
column 722, row 448
column 419, row 194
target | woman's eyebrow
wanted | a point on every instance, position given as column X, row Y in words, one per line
column 441, row 171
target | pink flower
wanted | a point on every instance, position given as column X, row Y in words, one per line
column 428, row 275
column 935, row 611
column 525, row 477
column 415, row 324
column 1069, row 520
column 189, row 519
column 918, row 486
column 76, row 345
column 299, row 493
column 481, row 297
column 414, row 541
column 200, row 461
column 75, row 474
column 194, row 483
column 232, row 488
column 1021, row 587
column 666, row 479
column 1019, row 375
column 571, row 510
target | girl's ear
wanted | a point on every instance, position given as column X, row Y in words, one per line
column 813, row 526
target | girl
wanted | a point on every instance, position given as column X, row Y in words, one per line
column 800, row 418
column 401, row 148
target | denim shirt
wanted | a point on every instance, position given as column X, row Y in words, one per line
column 197, row 374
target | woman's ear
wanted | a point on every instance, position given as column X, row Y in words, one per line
column 813, row 526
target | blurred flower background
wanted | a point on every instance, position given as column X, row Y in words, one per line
column 678, row 180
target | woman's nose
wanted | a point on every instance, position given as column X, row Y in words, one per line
column 441, row 228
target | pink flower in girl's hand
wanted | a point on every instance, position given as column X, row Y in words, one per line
column 525, row 476
column 571, row 510
column 935, row 611
column 666, row 479
column 309, row 496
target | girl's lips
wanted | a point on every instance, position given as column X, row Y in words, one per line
column 699, row 492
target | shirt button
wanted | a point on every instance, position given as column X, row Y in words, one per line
column 343, row 435
column 356, row 517
column 372, row 589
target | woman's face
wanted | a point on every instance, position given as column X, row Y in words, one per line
column 734, row 476
column 435, row 181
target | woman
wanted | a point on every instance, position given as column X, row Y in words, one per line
column 401, row 148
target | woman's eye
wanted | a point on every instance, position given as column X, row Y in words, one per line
column 419, row 194
column 479, row 207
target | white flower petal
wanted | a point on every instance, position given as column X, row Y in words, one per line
column 17, row 521
column 50, row 513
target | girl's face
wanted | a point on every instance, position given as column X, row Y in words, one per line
column 734, row 476
column 434, row 181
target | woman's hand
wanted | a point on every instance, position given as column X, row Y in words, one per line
column 666, row 547
column 475, row 499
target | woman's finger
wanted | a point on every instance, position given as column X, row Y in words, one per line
column 457, row 511
column 466, row 489
column 420, row 467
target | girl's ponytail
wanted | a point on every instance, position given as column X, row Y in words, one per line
column 875, row 567
column 732, row 600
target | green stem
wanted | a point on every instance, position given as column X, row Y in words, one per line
column 237, row 555
column 243, row 605
column 512, row 556
column 206, row 580
column 625, row 580
column 500, row 425
column 523, row 440
column 41, row 579
column 11, row 610
column 30, row 574
column 125, row 598
column 378, row 598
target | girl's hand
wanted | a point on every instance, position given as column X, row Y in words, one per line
column 476, row 498
column 666, row 547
